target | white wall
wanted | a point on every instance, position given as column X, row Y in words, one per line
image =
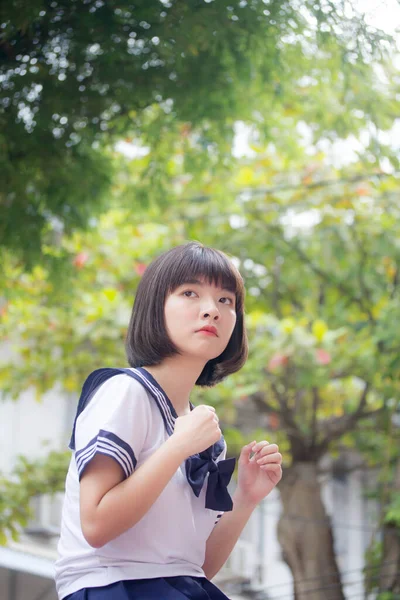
column 32, row 427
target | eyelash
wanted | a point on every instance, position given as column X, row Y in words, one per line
column 225, row 297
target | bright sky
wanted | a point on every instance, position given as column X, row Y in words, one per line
column 384, row 14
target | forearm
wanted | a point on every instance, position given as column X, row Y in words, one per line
column 225, row 535
column 125, row 504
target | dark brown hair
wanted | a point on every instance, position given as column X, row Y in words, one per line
column 147, row 341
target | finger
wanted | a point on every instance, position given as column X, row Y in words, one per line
column 247, row 450
column 272, row 468
column 275, row 458
column 260, row 445
column 209, row 407
column 268, row 449
column 257, row 448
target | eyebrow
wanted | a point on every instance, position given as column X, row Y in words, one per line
column 202, row 284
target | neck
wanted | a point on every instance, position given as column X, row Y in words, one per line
column 177, row 376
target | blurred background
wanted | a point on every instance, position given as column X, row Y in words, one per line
column 269, row 129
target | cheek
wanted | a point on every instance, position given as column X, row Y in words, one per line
column 178, row 313
column 233, row 319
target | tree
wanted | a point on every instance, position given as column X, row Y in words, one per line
column 322, row 302
column 327, row 361
column 77, row 75
column 390, row 570
column 321, row 298
column 383, row 555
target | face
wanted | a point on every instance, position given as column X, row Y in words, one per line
column 194, row 306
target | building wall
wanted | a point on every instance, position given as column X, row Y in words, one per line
column 33, row 428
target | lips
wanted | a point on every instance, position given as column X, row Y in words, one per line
column 209, row 329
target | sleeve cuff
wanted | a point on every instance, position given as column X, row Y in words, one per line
column 218, row 518
column 111, row 445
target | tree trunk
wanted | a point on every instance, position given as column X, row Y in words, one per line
column 389, row 576
column 305, row 534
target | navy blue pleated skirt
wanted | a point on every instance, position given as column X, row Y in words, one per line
column 160, row 588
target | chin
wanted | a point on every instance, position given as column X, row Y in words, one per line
column 200, row 356
column 204, row 354
column 208, row 356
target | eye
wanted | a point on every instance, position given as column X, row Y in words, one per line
column 227, row 300
column 187, row 293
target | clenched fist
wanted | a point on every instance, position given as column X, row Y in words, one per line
column 198, row 430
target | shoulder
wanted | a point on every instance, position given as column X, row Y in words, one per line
column 121, row 393
column 122, row 383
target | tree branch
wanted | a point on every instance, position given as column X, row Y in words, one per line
column 360, row 272
column 284, row 413
column 276, row 273
column 315, row 402
column 395, row 283
column 325, row 276
column 336, row 427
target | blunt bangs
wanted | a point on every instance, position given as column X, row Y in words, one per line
column 204, row 264
column 147, row 340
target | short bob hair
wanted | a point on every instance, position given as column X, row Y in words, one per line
column 147, row 341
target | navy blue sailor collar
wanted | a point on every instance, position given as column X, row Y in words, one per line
column 197, row 466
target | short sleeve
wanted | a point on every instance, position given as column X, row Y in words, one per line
column 115, row 423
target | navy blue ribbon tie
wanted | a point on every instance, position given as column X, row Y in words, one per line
column 198, row 465
column 220, row 473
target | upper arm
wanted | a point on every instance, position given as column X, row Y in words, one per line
column 110, row 434
column 100, row 476
column 115, row 423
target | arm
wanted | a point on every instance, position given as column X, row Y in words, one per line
column 110, row 504
column 225, row 535
column 257, row 476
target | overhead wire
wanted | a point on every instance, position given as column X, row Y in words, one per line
column 342, row 575
column 313, row 590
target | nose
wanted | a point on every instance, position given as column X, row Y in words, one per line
column 211, row 310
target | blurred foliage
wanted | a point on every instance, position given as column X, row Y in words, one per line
column 30, row 479
column 75, row 76
column 317, row 246
column 375, row 566
column 322, row 298
column 320, row 266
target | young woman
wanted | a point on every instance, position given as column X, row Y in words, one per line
column 147, row 514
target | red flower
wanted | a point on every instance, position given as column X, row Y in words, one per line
column 80, row 260
column 277, row 360
column 140, row 268
column 323, row 357
column 273, row 421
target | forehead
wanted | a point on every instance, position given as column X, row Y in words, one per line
column 200, row 268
